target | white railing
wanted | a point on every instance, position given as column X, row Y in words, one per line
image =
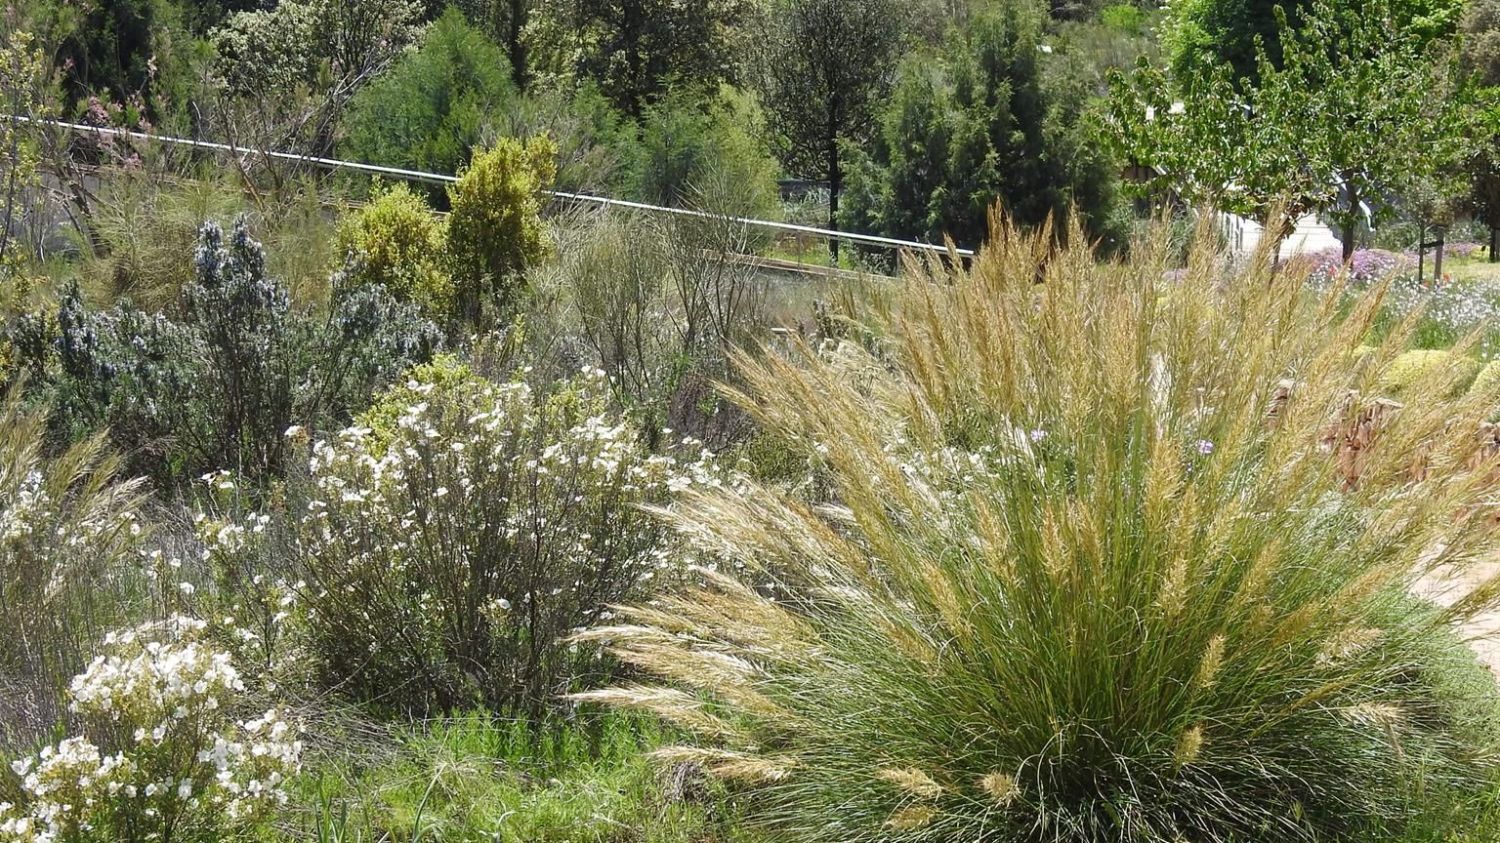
column 443, row 178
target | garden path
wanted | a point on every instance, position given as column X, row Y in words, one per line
column 1483, row 634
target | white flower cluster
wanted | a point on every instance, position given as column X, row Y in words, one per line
column 28, row 500
column 506, row 459
column 28, row 513
column 473, row 511
column 153, row 676
column 187, row 762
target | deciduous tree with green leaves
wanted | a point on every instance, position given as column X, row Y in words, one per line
column 1206, row 33
column 1355, row 112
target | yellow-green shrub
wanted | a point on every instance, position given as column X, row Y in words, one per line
column 1413, row 366
column 495, row 228
column 397, row 241
column 1487, row 377
column 446, row 378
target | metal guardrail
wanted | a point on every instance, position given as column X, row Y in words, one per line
column 443, row 178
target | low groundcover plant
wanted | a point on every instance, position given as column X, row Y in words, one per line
column 1108, row 559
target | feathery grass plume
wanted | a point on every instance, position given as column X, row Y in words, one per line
column 911, row 818
column 730, row 766
column 911, row 781
column 1095, row 528
column 1001, row 787
column 1213, row 661
column 1189, row 746
column 69, row 537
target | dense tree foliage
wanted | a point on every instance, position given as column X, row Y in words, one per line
column 636, row 49
column 109, row 49
column 1480, row 66
column 1210, row 32
column 429, row 110
column 506, row 23
column 980, row 122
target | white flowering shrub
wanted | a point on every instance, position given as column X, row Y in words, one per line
column 448, row 546
column 251, row 607
column 68, row 537
column 163, row 755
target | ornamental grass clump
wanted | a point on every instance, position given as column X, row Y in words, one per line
column 69, row 542
column 1098, row 567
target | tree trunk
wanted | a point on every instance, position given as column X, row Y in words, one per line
column 1349, row 223
column 835, row 185
column 516, row 42
column 632, row 18
column 1278, row 228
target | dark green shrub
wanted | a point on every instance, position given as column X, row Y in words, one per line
column 428, row 111
column 983, row 121
column 685, row 139
column 219, row 388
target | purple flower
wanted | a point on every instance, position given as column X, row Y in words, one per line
column 1038, row 435
column 1463, row 249
column 1365, row 266
column 1205, row 447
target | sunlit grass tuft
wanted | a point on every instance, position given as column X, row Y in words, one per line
column 1111, row 555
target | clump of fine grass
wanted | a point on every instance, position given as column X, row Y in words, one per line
column 69, row 535
column 143, row 232
column 1110, row 558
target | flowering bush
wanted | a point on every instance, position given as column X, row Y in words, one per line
column 1464, row 249
column 252, row 610
column 163, row 756
column 218, row 388
column 445, row 554
column 1366, row 266
column 1449, row 310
